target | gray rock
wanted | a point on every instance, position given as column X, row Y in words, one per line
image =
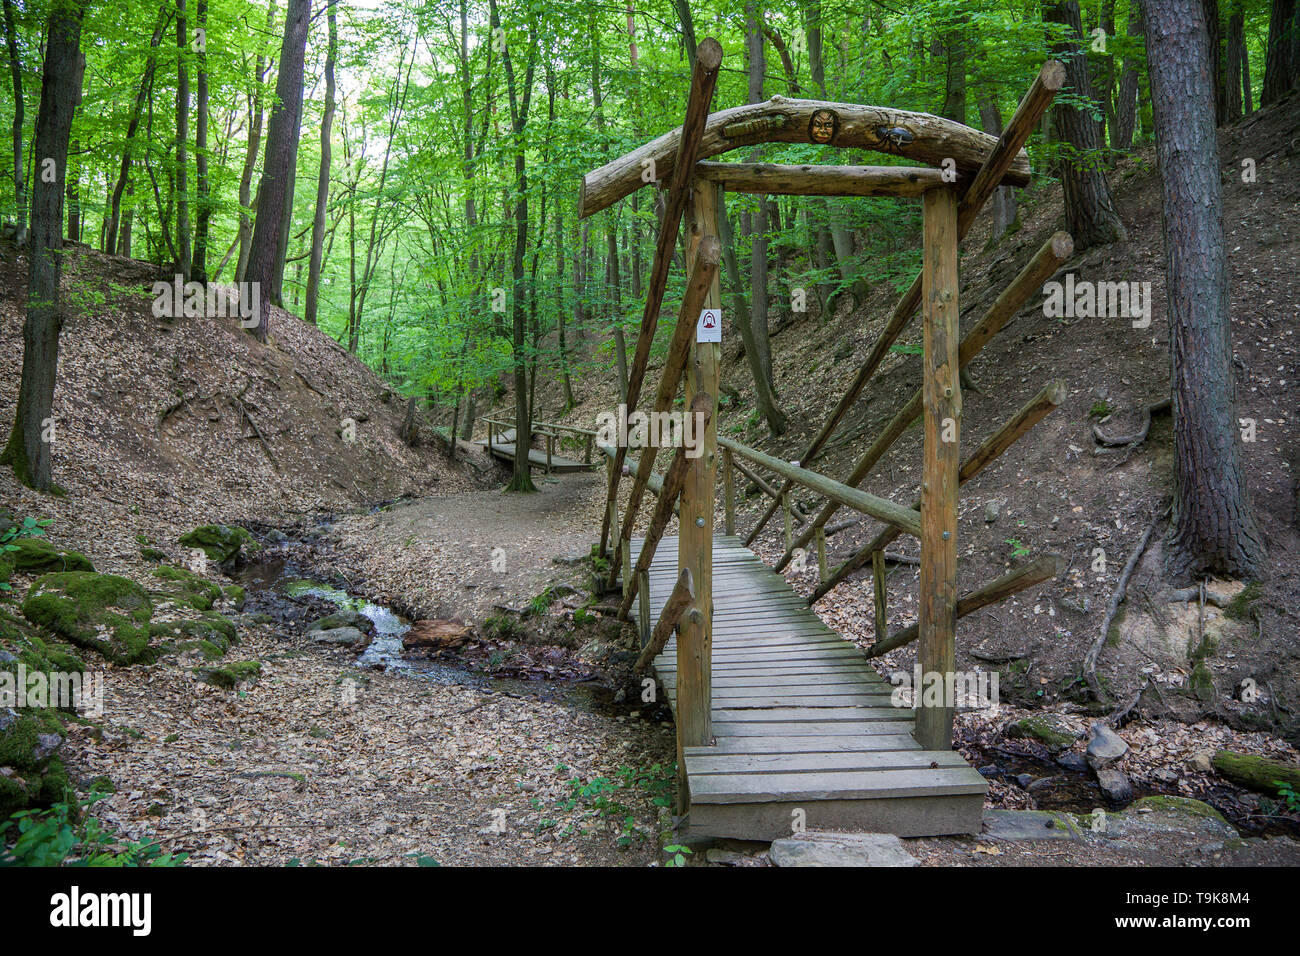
column 1024, row 779
column 825, row 848
column 1202, row 762
column 1105, row 747
column 1073, row 760
column 46, row 744
column 1115, row 785
column 343, row 618
column 1030, row 825
column 990, row 770
column 1164, row 775
column 1042, row 783
column 337, row 635
column 992, row 510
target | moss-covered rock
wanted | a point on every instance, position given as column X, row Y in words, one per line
column 343, row 618
column 103, row 612
column 221, row 543
column 230, row 675
column 186, row 588
column 152, row 554
column 38, row 556
column 234, row 594
column 214, row 631
column 1165, row 803
column 1048, row 729
column 38, row 650
column 34, row 775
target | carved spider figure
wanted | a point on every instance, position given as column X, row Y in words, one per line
column 896, row 136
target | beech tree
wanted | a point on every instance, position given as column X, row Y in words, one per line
column 1213, row 528
column 1089, row 205
column 281, row 158
column 28, row 449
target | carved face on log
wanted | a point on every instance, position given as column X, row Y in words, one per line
column 823, row 126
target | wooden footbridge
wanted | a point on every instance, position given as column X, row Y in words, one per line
column 501, row 443
column 781, row 723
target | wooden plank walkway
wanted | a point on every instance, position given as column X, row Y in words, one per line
column 801, row 721
column 559, row 464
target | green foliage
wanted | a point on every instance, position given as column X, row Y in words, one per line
column 65, row 835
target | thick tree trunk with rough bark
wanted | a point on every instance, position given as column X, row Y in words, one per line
column 323, row 178
column 1213, row 529
column 16, row 75
column 1281, row 62
column 203, row 204
column 33, row 435
column 1126, row 98
column 183, row 235
column 1089, row 207
column 281, row 157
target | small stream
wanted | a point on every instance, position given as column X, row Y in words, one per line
column 282, row 581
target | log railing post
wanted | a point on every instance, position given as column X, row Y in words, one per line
column 643, row 607
column 878, row 590
column 695, row 540
column 937, row 613
column 821, row 554
column 729, row 493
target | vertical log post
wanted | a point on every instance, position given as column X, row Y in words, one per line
column 491, row 428
column 937, row 614
column 643, row 608
column 729, row 492
column 695, row 540
column 789, row 520
column 550, row 444
column 821, row 554
column 878, row 575
column 626, row 554
column 586, row 455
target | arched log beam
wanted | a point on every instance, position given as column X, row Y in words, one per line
column 917, row 136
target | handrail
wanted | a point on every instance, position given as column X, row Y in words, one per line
column 677, row 604
column 880, row 508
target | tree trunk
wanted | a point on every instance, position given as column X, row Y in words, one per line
column 1213, row 528
column 323, row 179
column 954, row 95
column 183, row 236
column 1281, row 64
column 16, row 74
column 256, row 117
column 199, row 263
column 1003, row 205
column 764, row 398
column 1233, row 55
column 30, row 441
column 1127, row 98
column 281, row 156
column 521, row 478
column 756, row 338
column 1214, row 30
column 1089, row 206
column 146, row 81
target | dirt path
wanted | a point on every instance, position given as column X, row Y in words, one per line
column 461, row 555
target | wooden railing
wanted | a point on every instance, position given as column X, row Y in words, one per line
column 555, row 435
